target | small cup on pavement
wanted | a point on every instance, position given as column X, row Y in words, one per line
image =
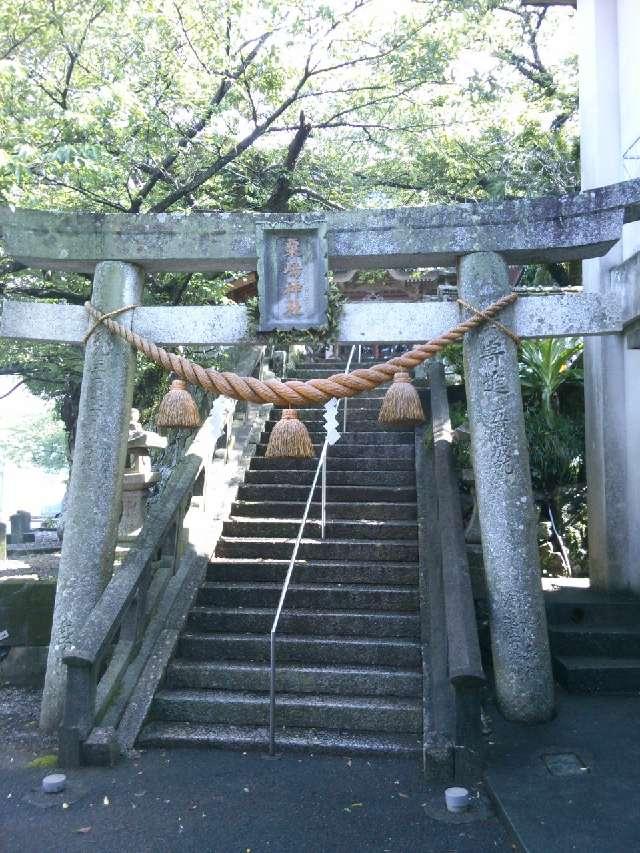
column 54, row 783
column 457, row 799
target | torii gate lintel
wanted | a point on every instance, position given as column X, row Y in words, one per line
column 574, row 227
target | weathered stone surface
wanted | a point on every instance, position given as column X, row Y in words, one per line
column 24, row 666
column 20, row 526
column 464, row 664
column 585, row 225
column 395, row 322
column 138, row 478
column 292, row 277
column 26, row 609
column 95, row 490
column 520, row 644
column 101, row 747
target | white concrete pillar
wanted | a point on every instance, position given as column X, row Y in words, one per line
column 610, row 126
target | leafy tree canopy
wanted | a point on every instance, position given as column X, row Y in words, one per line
column 147, row 105
column 35, row 439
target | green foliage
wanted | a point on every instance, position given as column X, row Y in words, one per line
column 556, row 449
column 462, row 448
column 312, row 337
column 452, row 357
column 544, row 366
column 574, row 523
column 146, row 106
column 44, row 761
column 38, row 441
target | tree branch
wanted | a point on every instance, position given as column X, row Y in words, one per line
column 48, row 293
column 225, row 84
column 18, row 42
column 316, row 196
column 203, row 175
column 278, row 201
column 15, row 388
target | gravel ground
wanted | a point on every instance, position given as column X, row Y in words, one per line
column 26, row 560
column 20, row 737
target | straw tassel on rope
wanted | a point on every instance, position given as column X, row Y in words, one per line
column 290, row 438
column 178, row 409
column 401, row 406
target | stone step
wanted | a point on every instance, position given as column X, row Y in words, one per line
column 316, row 414
column 598, row 640
column 338, row 494
column 363, row 404
column 337, row 366
column 239, row 570
column 327, row 651
column 364, row 713
column 314, row 549
column 256, row 620
column 334, row 510
column 346, row 463
column 357, row 422
column 334, row 478
column 308, row 596
column 288, row 529
column 601, row 675
column 293, row 678
column 256, row 738
column 349, row 676
column 587, row 607
column 351, row 439
column 358, row 451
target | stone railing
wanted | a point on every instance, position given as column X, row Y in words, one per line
column 453, row 673
column 157, row 580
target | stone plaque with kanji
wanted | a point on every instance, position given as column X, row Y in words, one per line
column 292, row 277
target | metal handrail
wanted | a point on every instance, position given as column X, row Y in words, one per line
column 285, row 588
column 346, row 370
column 321, row 466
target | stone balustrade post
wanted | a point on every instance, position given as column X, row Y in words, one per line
column 519, row 640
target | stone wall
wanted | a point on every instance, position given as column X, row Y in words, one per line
column 26, row 611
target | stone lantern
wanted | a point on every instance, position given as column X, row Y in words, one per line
column 138, row 478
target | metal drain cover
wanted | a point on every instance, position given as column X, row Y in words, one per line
column 564, row 764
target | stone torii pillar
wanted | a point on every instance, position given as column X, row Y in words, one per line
column 519, row 640
column 95, row 490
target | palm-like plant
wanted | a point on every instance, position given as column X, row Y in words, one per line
column 545, row 365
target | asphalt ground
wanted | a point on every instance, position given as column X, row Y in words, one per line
column 206, row 800
column 572, row 784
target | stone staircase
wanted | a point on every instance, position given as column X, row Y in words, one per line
column 595, row 641
column 349, row 676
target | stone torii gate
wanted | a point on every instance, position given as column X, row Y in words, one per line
column 481, row 238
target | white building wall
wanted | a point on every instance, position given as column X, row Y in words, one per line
column 609, row 52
